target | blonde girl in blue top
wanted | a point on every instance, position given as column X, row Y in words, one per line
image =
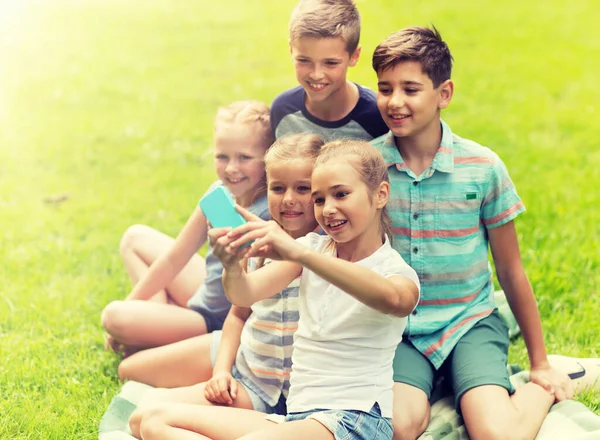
column 251, row 357
column 355, row 294
column 177, row 294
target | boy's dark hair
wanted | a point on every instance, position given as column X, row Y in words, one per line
column 420, row 44
column 326, row 19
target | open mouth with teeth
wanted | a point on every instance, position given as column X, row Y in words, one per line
column 336, row 225
column 316, row 86
column 291, row 214
column 399, row 118
column 233, row 181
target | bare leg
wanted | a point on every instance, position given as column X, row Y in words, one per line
column 185, row 421
column 142, row 245
column 297, row 430
column 179, row 364
column 193, row 395
column 145, row 324
column 411, row 412
column 490, row 413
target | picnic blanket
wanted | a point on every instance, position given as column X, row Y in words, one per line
column 566, row 420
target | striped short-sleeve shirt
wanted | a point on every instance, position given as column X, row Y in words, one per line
column 440, row 221
column 264, row 359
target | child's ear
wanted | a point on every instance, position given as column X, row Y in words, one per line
column 383, row 195
column 355, row 56
column 446, row 92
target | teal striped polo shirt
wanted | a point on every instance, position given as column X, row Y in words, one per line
column 440, row 221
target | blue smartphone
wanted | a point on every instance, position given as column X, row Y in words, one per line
column 219, row 208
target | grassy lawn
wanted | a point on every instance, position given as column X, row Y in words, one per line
column 106, row 114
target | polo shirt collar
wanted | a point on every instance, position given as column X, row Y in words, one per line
column 443, row 160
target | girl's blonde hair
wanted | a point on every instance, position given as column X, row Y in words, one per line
column 292, row 147
column 302, row 146
column 368, row 163
column 250, row 112
column 247, row 112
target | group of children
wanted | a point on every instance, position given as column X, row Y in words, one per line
column 367, row 279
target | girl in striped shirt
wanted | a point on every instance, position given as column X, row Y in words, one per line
column 255, row 347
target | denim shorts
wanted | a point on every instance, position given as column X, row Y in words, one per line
column 257, row 402
column 346, row 424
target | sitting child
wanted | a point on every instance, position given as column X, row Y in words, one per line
column 452, row 199
column 355, row 294
column 162, row 307
column 255, row 346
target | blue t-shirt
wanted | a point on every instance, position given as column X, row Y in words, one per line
column 289, row 115
column 210, row 297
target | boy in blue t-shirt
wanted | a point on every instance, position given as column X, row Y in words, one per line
column 324, row 37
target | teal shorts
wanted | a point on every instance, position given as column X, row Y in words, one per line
column 479, row 358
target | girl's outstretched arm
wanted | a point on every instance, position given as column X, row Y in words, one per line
column 188, row 242
column 513, row 280
column 395, row 295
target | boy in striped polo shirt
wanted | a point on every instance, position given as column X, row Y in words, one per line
column 450, row 198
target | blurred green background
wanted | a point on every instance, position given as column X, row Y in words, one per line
column 106, row 112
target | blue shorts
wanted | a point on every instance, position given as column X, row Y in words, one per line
column 257, row 402
column 212, row 322
column 346, row 424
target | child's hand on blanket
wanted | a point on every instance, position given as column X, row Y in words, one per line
column 552, row 380
column 221, row 388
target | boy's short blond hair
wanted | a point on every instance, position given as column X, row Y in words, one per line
column 326, row 19
column 247, row 112
column 420, row 44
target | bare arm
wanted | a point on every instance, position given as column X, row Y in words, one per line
column 396, row 295
column 230, row 339
column 222, row 387
column 244, row 289
column 188, row 242
column 516, row 286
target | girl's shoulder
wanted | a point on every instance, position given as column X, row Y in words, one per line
column 314, row 241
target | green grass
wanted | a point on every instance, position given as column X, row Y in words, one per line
column 111, row 104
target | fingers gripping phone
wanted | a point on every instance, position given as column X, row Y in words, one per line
column 219, row 208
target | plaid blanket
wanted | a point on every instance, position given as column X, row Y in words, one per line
column 566, row 420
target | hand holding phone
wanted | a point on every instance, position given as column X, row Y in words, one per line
column 219, row 208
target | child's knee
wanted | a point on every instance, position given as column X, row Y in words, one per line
column 131, row 237
column 409, row 426
column 125, row 370
column 134, row 422
column 152, row 423
column 114, row 319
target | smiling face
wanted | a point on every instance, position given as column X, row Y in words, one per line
column 238, row 151
column 407, row 100
column 344, row 207
column 321, row 65
column 289, row 195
